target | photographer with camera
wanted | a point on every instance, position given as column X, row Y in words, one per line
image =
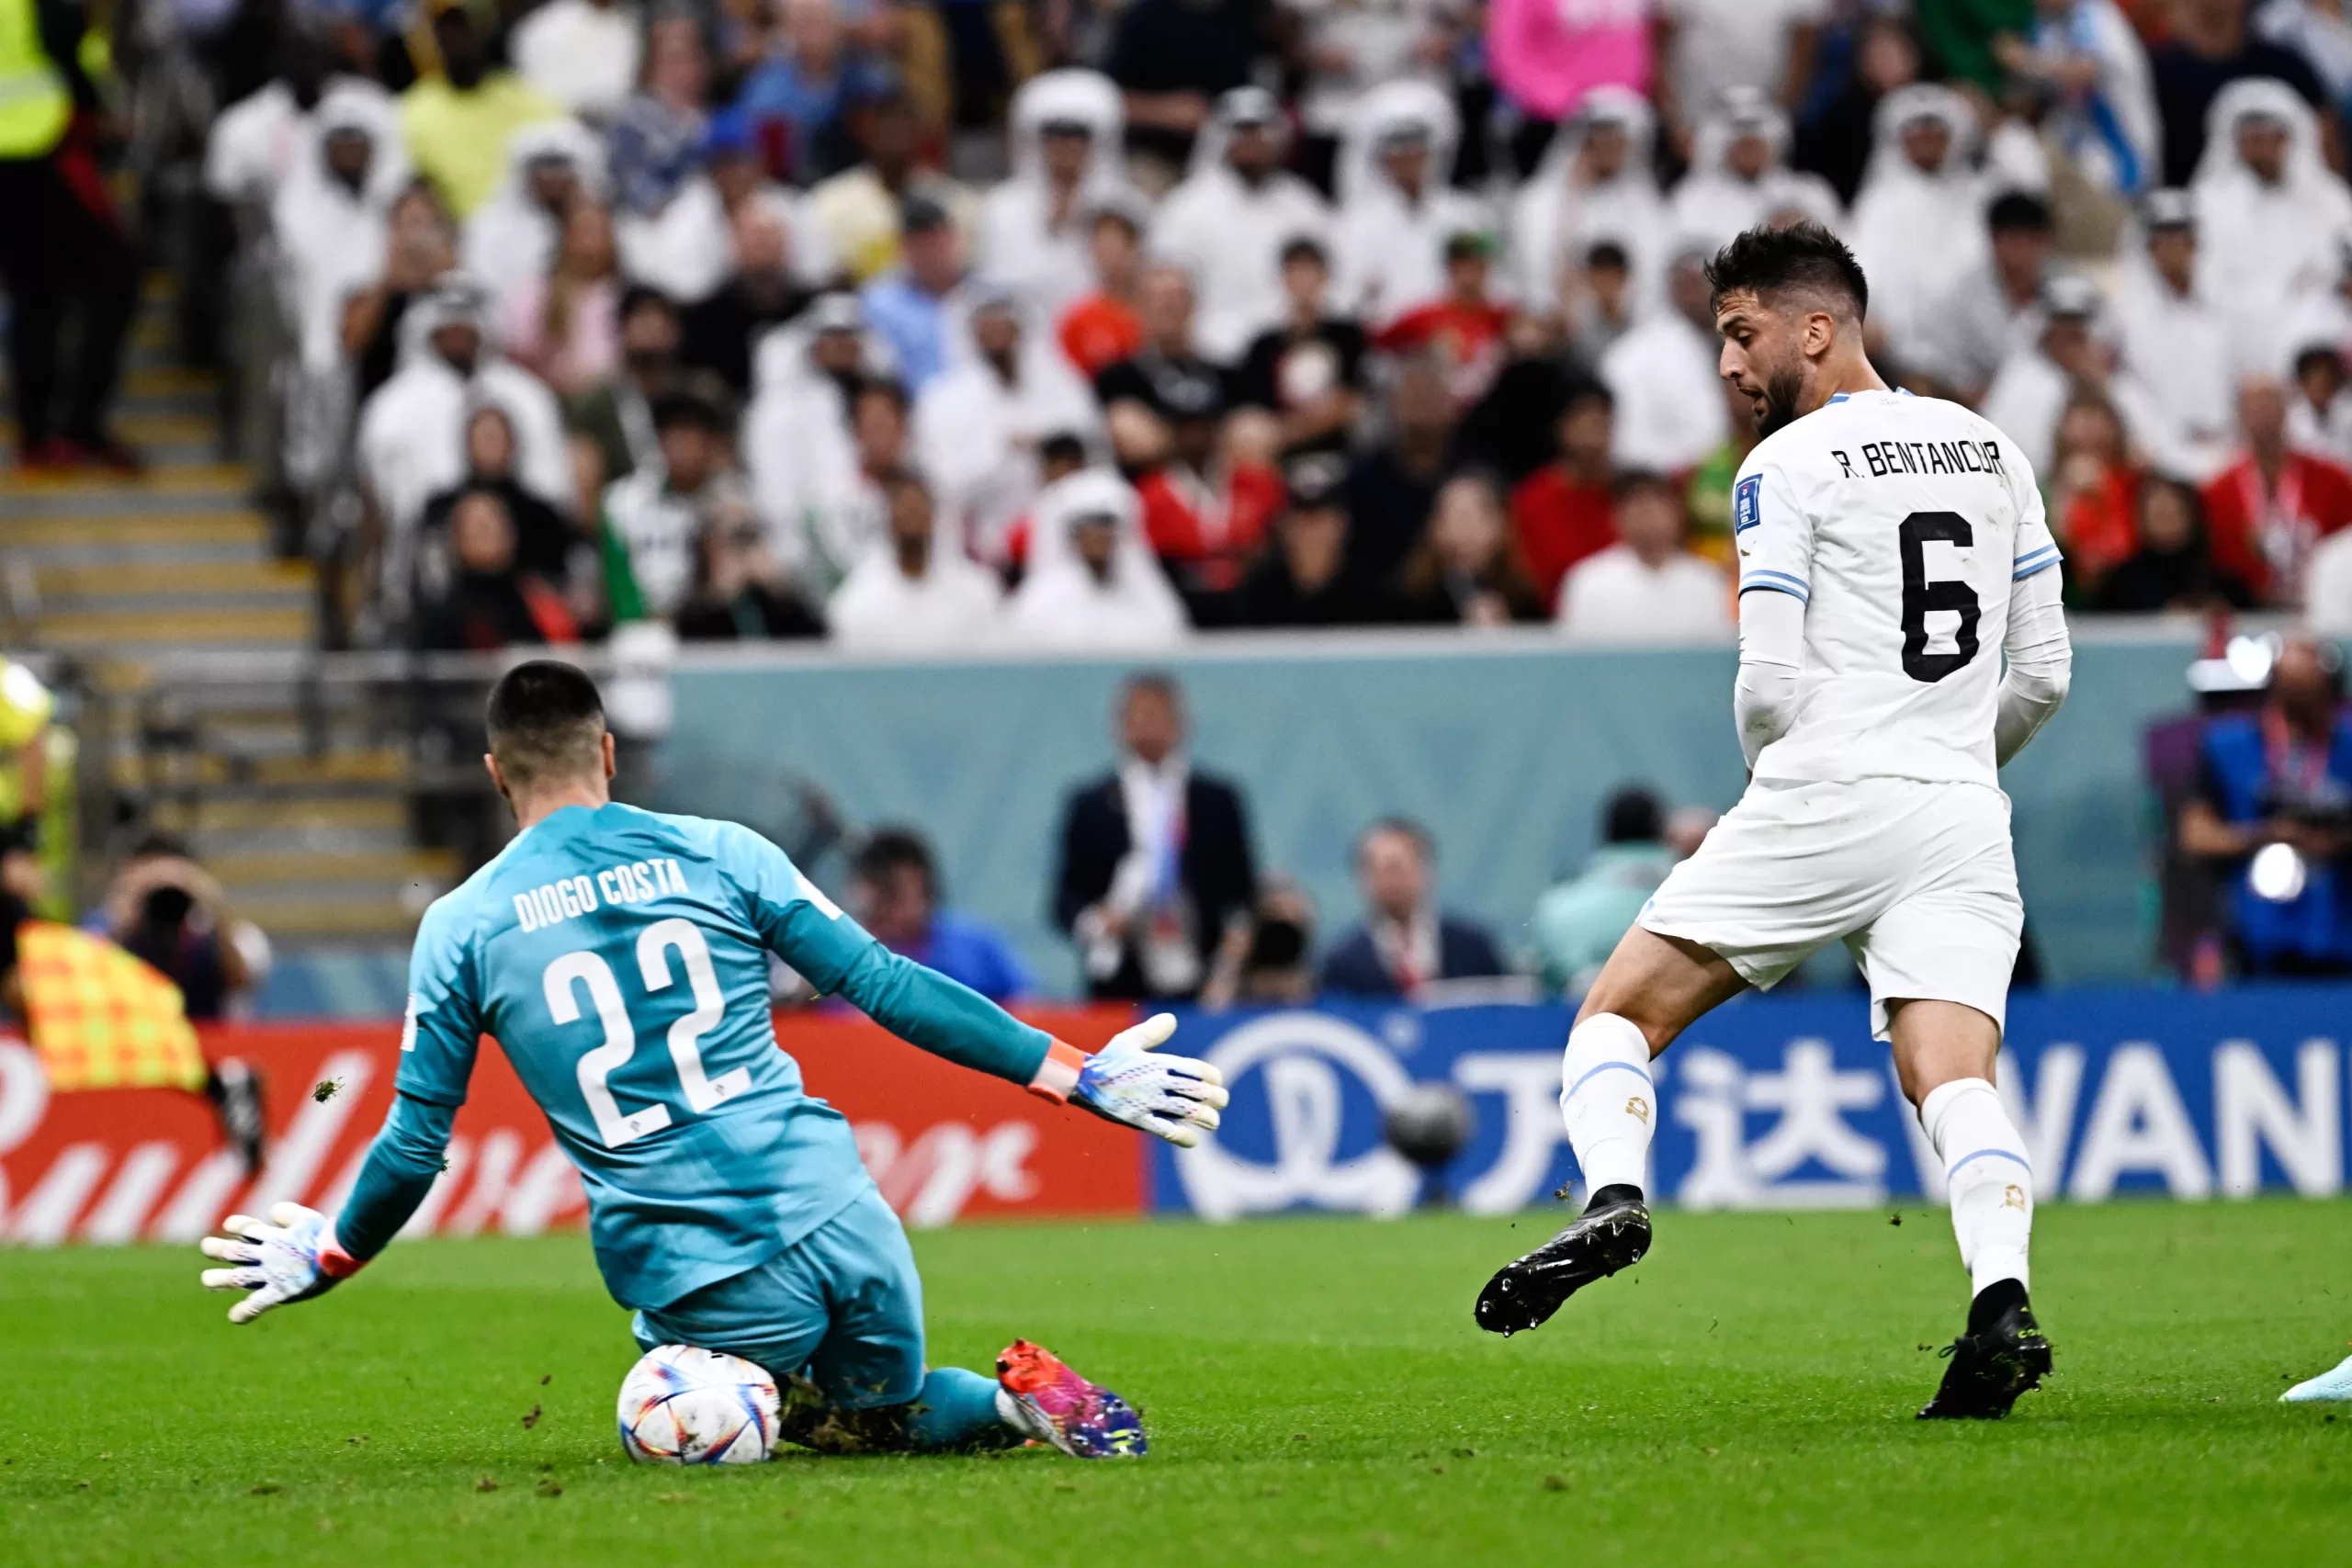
column 2274, row 814
column 168, row 911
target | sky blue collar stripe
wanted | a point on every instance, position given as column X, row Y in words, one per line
column 1841, row 396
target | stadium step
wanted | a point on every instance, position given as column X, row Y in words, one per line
column 297, row 798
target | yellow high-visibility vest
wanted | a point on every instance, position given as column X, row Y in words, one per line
column 35, row 105
column 101, row 1018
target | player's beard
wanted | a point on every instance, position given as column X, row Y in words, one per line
column 1781, row 390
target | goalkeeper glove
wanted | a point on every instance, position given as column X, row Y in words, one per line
column 291, row 1258
column 1175, row 1098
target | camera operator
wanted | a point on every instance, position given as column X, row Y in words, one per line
column 2274, row 815
column 170, row 912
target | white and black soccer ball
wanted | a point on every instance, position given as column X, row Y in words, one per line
column 683, row 1405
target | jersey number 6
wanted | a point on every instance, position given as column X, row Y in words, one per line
column 653, row 944
column 1920, row 595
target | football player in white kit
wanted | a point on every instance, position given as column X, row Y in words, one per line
column 1892, row 551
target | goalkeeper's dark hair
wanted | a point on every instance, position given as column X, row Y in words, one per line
column 546, row 722
column 1797, row 259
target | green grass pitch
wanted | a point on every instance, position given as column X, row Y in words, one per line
column 1314, row 1389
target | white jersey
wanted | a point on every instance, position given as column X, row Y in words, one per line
column 1902, row 523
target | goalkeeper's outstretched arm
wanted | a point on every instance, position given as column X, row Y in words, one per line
column 1170, row 1097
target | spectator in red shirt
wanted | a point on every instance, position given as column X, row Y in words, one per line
column 1463, row 330
column 1567, row 509
column 2094, row 493
column 1208, row 484
column 2273, row 503
column 1106, row 327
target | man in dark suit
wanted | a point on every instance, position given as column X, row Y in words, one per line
column 1157, row 882
column 1404, row 942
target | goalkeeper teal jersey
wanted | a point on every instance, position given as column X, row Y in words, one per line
column 619, row 958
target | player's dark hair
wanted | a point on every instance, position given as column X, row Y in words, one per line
column 546, row 721
column 890, row 849
column 1064, row 448
column 1801, row 258
column 1404, row 828
column 1632, row 817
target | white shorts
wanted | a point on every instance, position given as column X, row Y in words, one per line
column 1916, row 878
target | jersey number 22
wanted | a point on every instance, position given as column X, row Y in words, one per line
column 1921, row 595
column 653, row 944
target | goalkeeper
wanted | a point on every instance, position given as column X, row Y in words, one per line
column 619, row 958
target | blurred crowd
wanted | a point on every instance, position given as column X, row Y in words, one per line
column 928, row 327
column 1158, row 887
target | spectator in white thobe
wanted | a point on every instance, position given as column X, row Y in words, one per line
column 2175, row 366
column 907, row 594
column 331, row 219
column 978, row 426
column 797, row 441
column 1397, row 209
column 1093, row 583
column 1227, row 222
column 510, row 238
column 411, row 434
column 1663, row 375
column 2030, row 392
column 1917, row 225
column 1035, row 227
column 1595, row 183
column 1740, row 176
column 1646, row 588
column 259, row 141
column 2270, row 210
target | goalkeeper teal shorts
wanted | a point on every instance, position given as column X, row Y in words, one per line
column 842, row 1307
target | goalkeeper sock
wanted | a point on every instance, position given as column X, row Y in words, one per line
column 1987, row 1177
column 1608, row 1103
column 957, row 1409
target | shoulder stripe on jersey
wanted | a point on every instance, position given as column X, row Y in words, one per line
column 1778, row 582
column 2040, row 560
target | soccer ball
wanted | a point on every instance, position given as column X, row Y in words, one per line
column 681, row 1405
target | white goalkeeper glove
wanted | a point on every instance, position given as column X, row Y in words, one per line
column 1175, row 1098
column 291, row 1257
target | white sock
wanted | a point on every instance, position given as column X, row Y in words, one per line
column 1608, row 1103
column 1987, row 1175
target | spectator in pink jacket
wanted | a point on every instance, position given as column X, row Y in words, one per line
column 1548, row 54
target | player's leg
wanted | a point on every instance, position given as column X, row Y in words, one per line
column 1769, row 886
column 1649, row 992
column 1939, row 962
column 870, row 1386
